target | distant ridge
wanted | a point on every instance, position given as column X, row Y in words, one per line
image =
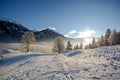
column 11, row 31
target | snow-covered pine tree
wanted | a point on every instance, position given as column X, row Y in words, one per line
column 113, row 37
column 74, row 47
column 118, row 38
column 101, row 41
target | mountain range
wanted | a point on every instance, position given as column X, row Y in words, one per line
column 11, row 31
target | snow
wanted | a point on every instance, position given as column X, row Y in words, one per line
column 92, row 64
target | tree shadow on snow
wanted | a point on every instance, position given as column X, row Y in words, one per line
column 12, row 60
column 73, row 53
column 6, row 51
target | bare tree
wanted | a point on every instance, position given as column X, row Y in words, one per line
column 58, row 45
column 27, row 39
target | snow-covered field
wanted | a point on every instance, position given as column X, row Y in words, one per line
column 37, row 47
column 92, row 64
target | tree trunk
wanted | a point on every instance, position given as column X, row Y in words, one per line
column 27, row 49
column 59, row 50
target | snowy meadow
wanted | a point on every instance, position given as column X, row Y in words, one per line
column 91, row 64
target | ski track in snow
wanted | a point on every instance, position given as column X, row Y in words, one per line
column 92, row 64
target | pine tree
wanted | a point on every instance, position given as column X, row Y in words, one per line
column 90, row 46
column 93, row 43
column 77, row 47
column 74, row 47
column 58, row 45
column 101, row 41
column 69, row 46
column 86, row 47
column 112, row 37
column 118, row 38
column 98, row 42
column 108, row 32
column 81, row 45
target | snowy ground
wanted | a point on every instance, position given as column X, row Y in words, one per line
column 97, row 64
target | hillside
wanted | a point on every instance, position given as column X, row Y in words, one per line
column 92, row 64
column 10, row 31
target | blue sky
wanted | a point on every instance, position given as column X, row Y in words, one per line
column 72, row 18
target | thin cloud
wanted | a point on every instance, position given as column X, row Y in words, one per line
column 70, row 33
column 66, row 35
column 81, row 34
column 86, row 34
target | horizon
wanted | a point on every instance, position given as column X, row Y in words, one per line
column 73, row 19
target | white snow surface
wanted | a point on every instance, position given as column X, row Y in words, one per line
column 91, row 64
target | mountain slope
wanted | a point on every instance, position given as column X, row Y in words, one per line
column 11, row 31
column 46, row 34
